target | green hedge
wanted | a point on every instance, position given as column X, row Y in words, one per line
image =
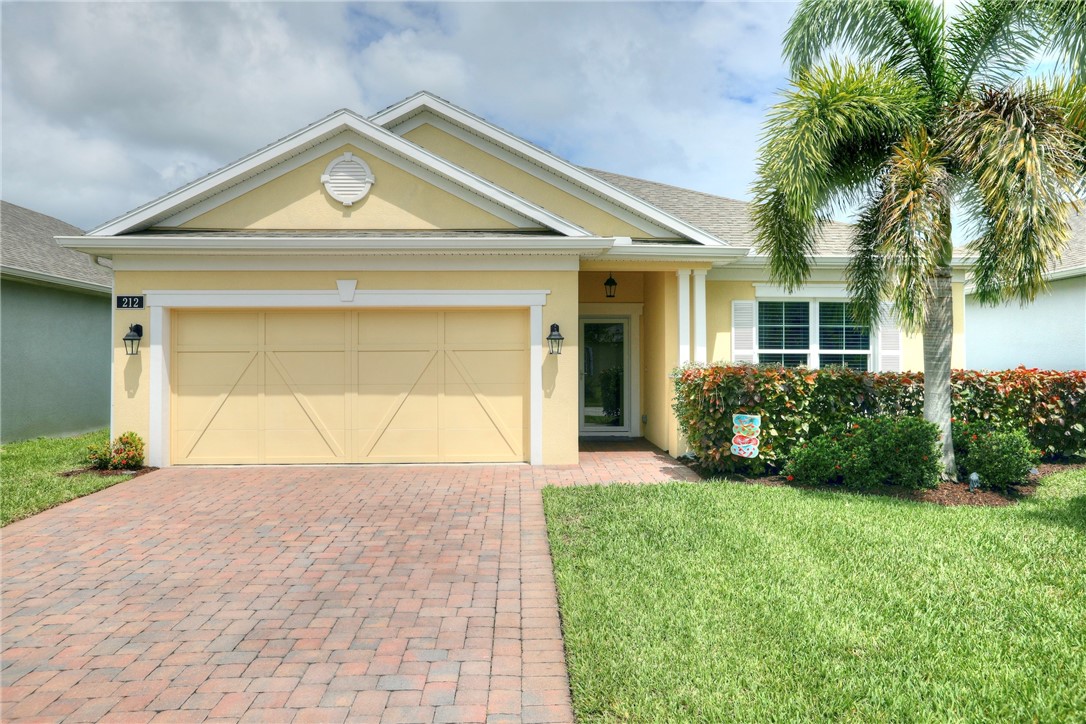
column 796, row 404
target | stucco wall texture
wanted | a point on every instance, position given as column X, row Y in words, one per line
column 54, row 361
column 1049, row 334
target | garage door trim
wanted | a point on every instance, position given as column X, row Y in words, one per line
column 161, row 302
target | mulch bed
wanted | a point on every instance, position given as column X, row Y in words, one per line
column 945, row 494
column 106, row 473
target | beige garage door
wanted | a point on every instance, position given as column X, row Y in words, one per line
column 364, row 386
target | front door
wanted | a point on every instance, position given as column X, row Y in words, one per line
column 605, row 384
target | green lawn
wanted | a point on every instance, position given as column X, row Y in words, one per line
column 730, row 602
column 28, row 471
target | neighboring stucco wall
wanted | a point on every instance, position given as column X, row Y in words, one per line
column 399, row 200
column 1050, row 333
column 524, row 184
column 54, row 361
column 560, row 398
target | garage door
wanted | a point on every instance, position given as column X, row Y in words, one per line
column 362, row 386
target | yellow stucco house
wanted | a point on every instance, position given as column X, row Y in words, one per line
column 389, row 289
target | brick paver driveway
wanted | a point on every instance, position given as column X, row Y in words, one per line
column 390, row 593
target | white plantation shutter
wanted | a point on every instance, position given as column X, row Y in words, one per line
column 743, row 330
column 889, row 340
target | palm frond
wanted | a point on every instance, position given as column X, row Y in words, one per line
column 993, row 42
column 831, row 112
column 1069, row 94
column 866, row 277
column 913, row 223
column 1026, row 165
column 1067, row 22
column 904, row 34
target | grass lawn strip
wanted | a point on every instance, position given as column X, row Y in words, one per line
column 725, row 602
column 30, row 474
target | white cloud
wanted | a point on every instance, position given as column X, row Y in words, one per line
column 143, row 97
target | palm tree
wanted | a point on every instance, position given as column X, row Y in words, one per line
column 924, row 113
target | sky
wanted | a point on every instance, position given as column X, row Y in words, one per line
column 109, row 105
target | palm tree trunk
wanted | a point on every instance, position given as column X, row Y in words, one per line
column 938, row 340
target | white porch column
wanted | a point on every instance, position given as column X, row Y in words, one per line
column 700, row 346
column 683, row 276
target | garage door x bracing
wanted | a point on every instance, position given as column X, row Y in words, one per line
column 373, row 385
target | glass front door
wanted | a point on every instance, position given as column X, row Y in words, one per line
column 604, row 382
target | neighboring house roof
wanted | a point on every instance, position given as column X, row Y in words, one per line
column 720, row 216
column 28, row 250
column 1072, row 261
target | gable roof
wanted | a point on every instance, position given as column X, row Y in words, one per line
column 28, row 250
column 593, row 183
column 723, row 217
column 312, row 135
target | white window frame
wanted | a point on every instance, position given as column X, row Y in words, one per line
column 813, row 351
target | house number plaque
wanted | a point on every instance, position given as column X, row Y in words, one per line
column 134, row 301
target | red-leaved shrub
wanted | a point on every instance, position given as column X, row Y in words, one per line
column 797, row 404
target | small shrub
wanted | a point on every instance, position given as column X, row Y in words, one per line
column 1002, row 458
column 904, row 451
column 871, row 452
column 817, row 462
column 126, row 453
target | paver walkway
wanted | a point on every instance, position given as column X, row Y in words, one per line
column 366, row 593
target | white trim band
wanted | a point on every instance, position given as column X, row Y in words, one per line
column 295, row 298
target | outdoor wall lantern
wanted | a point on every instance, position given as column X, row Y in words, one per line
column 554, row 340
column 610, row 286
column 132, row 339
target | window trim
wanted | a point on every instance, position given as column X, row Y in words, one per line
column 814, row 350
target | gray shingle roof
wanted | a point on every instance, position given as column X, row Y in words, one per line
column 27, row 244
column 1074, row 254
column 727, row 219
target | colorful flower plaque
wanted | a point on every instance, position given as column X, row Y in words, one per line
column 746, row 430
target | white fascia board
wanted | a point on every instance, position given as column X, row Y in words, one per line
column 54, row 280
column 330, row 126
column 349, row 262
column 828, row 261
column 185, row 244
column 1068, row 273
column 1071, row 271
column 389, row 117
column 675, row 252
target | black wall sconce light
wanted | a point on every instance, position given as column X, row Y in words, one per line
column 610, row 286
column 132, row 339
column 554, row 340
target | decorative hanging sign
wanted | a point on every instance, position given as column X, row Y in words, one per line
column 746, row 430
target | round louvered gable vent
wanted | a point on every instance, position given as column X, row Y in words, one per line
column 347, row 179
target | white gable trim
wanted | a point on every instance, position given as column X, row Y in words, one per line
column 394, row 115
column 326, row 147
column 530, row 167
column 334, row 124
